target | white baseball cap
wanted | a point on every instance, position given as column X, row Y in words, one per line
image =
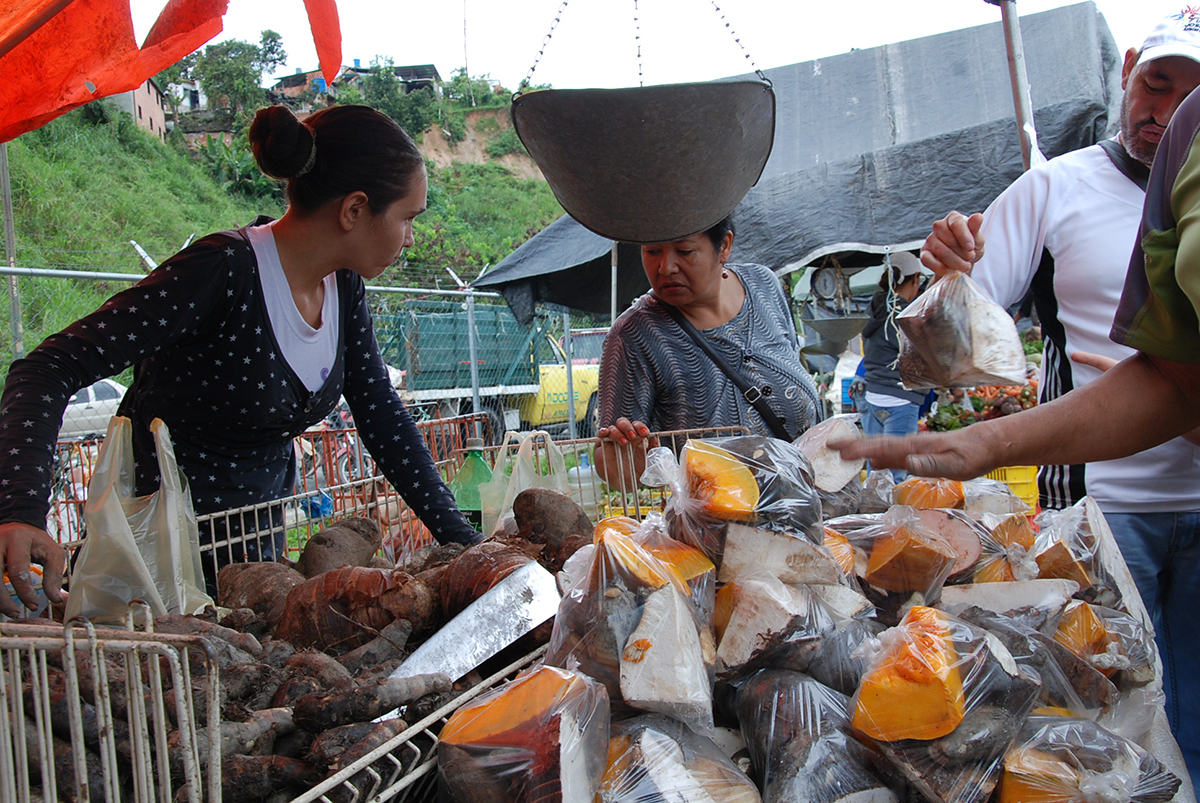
column 907, row 262
column 1177, row 35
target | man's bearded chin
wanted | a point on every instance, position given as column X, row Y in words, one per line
column 1137, row 147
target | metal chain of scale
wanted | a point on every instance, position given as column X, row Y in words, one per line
column 637, row 36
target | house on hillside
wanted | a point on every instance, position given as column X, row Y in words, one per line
column 147, row 106
column 413, row 76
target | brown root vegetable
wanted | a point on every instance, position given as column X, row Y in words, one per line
column 330, row 745
column 241, row 681
column 389, row 644
column 316, row 712
column 430, row 557
column 295, row 688
column 261, row 587
column 475, row 571
column 245, row 620
column 362, row 781
column 276, row 652
column 254, row 736
column 345, row 608
column 63, row 759
column 230, row 646
column 322, row 668
column 349, row 542
column 381, row 671
column 252, row 778
column 550, row 518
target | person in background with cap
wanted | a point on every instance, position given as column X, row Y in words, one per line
column 1065, row 229
column 890, row 408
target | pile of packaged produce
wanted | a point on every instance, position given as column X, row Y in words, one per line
column 784, row 631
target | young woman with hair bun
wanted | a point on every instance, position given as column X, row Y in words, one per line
column 241, row 342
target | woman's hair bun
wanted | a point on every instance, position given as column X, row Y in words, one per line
column 283, row 146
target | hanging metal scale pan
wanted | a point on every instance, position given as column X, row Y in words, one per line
column 649, row 164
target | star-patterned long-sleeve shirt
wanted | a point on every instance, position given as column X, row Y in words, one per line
column 207, row 363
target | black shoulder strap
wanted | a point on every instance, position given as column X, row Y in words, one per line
column 749, row 392
column 1131, row 168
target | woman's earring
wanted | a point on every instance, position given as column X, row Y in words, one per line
column 724, row 273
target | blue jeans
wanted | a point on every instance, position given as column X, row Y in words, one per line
column 900, row 420
column 1162, row 551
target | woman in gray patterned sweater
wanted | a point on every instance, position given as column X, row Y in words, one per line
column 654, row 377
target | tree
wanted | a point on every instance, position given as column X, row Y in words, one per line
column 381, row 89
column 231, row 71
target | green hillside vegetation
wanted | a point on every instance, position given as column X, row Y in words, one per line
column 87, row 183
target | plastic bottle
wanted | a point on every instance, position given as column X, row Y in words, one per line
column 473, row 472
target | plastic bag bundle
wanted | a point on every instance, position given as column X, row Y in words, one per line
column 1064, row 760
column 796, row 732
column 689, row 562
column 653, row 759
column 831, row 473
column 953, row 335
column 983, row 495
column 877, row 492
column 1070, row 686
column 1112, row 641
column 1067, row 546
column 541, row 736
column 631, row 624
column 846, row 654
column 904, row 558
column 762, row 621
column 1007, row 549
column 758, row 481
column 942, row 701
column 842, row 502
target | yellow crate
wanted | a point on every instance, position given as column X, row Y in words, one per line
column 1022, row 480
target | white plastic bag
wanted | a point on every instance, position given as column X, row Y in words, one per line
column 516, row 473
column 144, row 547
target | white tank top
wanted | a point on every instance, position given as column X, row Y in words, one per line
column 309, row 352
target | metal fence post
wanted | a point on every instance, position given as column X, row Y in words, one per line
column 10, row 251
column 570, row 374
column 471, row 352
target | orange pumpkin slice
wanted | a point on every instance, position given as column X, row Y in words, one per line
column 1056, row 561
column 619, row 524
column 925, row 493
column 839, row 546
column 1033, row 776
column 994, row 567
column 492, row 721
column 720, row 481
column 1082, row 632
column 909, row 559
column 915, row 691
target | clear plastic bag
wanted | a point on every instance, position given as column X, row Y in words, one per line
column 1064, row 760
column 1068, row 546
column 983, row 495
column 877, row 492
column 830, row 471
column 1007, row 549
column 796, row 731
column 537, row 463
column 541, row 736
column 953, row 335
column 759, row 481
column 653, row 759
column 690, row 563
column 631, row 624
column 927, row 493
column 905, row 558
column 1112, row 641
column 942, row 701
column 762, row 621
column 137, row 547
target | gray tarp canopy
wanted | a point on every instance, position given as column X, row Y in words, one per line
column 870, row 148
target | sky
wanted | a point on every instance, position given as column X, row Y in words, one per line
column 595, row 43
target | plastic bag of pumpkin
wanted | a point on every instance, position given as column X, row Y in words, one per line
column 1065, row 759
column 942, row 700
column 539, row 737
column 654, row 759
column 761, row 482
column 797, row 734
column 631, row 622
column 1068, row 546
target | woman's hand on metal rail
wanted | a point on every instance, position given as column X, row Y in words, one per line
column 621, row 453
column 20, row 545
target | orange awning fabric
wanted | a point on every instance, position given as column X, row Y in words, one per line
column 87, row 51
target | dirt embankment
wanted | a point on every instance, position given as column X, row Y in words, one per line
column 483, row 127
